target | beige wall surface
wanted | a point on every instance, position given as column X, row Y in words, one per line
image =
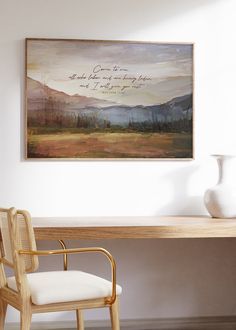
column 161, row 278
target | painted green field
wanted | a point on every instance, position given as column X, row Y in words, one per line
column 110, row 145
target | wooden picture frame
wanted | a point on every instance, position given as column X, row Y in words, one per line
column 94, row 99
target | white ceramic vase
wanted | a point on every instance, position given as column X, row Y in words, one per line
column 220, row 200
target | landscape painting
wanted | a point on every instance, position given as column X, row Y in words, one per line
column 92, row 99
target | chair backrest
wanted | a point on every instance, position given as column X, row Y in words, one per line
column 17, row 234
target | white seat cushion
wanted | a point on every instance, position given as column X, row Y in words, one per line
column 62, row 286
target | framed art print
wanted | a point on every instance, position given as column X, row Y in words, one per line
column 93, row 99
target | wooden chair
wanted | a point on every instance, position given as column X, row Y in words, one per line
column 38, row 292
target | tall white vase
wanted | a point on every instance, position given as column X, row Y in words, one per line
column 220, row 200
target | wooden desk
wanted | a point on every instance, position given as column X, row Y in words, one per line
column 57, row 228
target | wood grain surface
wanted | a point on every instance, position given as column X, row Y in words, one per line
column 132, row 227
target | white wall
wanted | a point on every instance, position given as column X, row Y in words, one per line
column 167, row 278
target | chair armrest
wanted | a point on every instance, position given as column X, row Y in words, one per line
column 109, row 300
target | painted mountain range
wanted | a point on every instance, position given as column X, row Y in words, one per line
column 93, row 112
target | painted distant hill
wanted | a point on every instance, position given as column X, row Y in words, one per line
column 174, row 110
column 38, row 95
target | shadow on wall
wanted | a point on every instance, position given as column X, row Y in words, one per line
column 182, row 203
column 142, row 14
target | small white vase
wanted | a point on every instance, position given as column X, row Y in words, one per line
column 220, row 200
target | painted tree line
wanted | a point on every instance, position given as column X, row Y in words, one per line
column 53, row 116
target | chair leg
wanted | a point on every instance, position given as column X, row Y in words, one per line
column 3, row 311
column 80, row 319
column 25, row 319
column 114, row 313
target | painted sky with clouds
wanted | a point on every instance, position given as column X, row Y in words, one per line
column 169, row 67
